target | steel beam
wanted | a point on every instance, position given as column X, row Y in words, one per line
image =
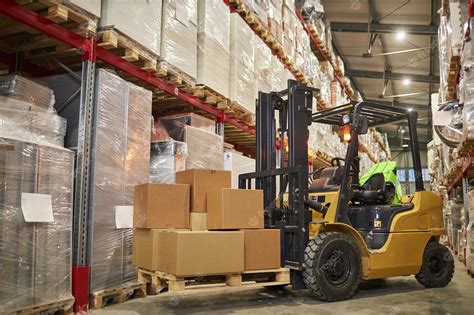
column 392, row 76
column 384, row 28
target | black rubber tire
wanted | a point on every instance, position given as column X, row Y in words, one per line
column 322, row 277
column 438, row 266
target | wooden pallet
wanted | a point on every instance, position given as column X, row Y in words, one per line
column 128, row 49
column 175, row 76
column 211, row 96
column 60, row 307
column 122, row 294
column 63, row 13
column 242, row 113
column 157, row 280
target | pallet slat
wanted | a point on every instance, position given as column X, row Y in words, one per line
column 101, row 298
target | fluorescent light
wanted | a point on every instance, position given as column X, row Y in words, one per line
column 410, row 109
column 404, row 145
column 402, row 131
column 406, row 82
column 401, row 35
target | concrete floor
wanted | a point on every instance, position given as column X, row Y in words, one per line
column 402, row 295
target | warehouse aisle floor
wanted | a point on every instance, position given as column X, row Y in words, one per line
column 402, row 295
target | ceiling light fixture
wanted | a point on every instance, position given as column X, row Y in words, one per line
column 406, row 82
column 409, row 109
column 401, row 35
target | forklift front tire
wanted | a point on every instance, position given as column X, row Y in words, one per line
column 332, row 267
column 438, row 266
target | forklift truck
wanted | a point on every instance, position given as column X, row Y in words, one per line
column 334, row 232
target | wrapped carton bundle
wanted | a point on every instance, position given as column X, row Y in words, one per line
column 138, row 20
column 263, row 70
column 275, row 20
column 92, row 7
column 24, row 89
column 238, row 164
column 205, row 148
column 260, row 8
column 121, row 161
column 213, row 45
column 242, row 63
column 290, row 20
column 179, row 36
column 35, row 224
column 167, row 158
column 277, row 75
column 468, row 109
column 26, row 121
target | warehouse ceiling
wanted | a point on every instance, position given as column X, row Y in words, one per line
column 403, row 79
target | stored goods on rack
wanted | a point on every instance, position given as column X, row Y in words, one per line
column 139, row 21
column 157, row 280
column 179, row 37
column 213, row 48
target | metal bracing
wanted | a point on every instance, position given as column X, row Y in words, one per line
column 383, row 28
column 393, row 76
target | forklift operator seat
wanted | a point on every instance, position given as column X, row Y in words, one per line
column 374, row 191
column 329, row 179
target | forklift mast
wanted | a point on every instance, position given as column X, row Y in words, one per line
column 294, row 107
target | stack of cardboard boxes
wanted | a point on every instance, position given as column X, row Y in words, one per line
column 200, row 226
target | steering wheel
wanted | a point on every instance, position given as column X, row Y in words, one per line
column 336, row 161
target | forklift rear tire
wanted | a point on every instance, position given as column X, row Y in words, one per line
column 438, row 266
column 332, row 267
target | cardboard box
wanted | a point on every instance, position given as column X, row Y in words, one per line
column 189, row 253
column 261, row 249
column 234, row 209
column 161, row 206
column 202, row 181
column 198, row 221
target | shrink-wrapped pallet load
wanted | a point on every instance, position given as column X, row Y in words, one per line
column 121, row 159
column 205, row 149
column 36, row 180
column 167, row 157
column 213, row 46
column 263, row 67
column 179, row 37
column 138, row 20
column 242, row 63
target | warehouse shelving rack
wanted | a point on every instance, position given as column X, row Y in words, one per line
column 91, row 53
column 237, row 132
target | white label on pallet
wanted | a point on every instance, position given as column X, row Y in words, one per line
column 37, row 207
column 123, row 217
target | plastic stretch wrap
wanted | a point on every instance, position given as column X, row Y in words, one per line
column 263, row 67
column 194, row 120
column 260, row 8
column 89, row 6
column 121, row 159
column 205, row 149
column 470, row 245
column 35, row 258
column 20, row 120
column 238, row 164
column 24, row 89
column 468, row 109
column 139, row 20
column 179, row 35
column 290, row 20
column 242, row 60
column 275, row 20
column 277, row 75
column 444, row 31
column 213, row 45
column 167, row 158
